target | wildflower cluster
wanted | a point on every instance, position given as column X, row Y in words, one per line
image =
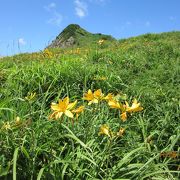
column 47, row 53
column 113, row 101
column 125, row 108
column 105, row 130
column 100, row 78
column 17, row 122
column 76, row 51
column 64, row 107
column 30, row 96
column 95, row 97
column 170, row 154
column 101, row 41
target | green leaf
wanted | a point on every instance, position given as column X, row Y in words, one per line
column 15, row 162
column 40, row 174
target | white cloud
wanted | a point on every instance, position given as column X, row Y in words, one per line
column 98, row 1
column 147, row 23
column 21, row 41
column 80, row 12
column 50, row 6
column 81, row 8
column 56, row 19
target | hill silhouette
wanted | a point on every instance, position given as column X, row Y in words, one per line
column 75, row 36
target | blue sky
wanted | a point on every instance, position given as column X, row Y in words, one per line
column 29, row 25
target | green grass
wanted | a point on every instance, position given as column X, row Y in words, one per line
column 81, row 37
column 144, row 67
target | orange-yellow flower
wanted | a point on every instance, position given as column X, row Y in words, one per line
column 104, row 129
column 17, row 120
column 90, row 97
column 30, row 96
column 134, row 108
column 102, row 78
column 115, row 105
column 63, row 107
column 127, row 109
column 101, row 41
column 109, row 97
column 98, row 94
column 6, row 126
column 77, row 50
column 78, row 110
column 121, row 132
column 47, row 53
column 93, row 97
column 124, row 116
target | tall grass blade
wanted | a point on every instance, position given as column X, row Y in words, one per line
column 40, row 173
column 15, row 163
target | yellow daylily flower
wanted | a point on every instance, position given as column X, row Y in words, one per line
column 17, row 120
column 98, row 94
column 30, row 96
column 102, row 78
column 88, row 96
column 47, row 53
column 79, row 110
column 101, row 41
column 6, row 126
column 121, row 132
column 124, row 116
column 115, row 105
column 93, row 97
column 109, row 97
column 63, row 107
column 134, row 108
column 104, row 129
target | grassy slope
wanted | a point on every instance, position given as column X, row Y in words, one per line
column 81, row 36
column 144, row 67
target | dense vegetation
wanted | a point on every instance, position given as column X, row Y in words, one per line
column 33, row 145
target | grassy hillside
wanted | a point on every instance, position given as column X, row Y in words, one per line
column 101, row 143
column 74, row 36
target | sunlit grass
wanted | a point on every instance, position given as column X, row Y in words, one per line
column 120, row 120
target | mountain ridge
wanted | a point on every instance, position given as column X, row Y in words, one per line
column 75, row 36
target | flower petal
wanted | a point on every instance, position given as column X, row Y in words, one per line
column 54, row 106
column 89, row 91
column 90, row 102
column 109, row 97
column 104, row 129
column 124, row 116
column 78, row 110
column 71, row 105
column 69, row 113
column 58, row 115
column 53, row 114
column 95, row 101
column 66, row 101
column 114, row 104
